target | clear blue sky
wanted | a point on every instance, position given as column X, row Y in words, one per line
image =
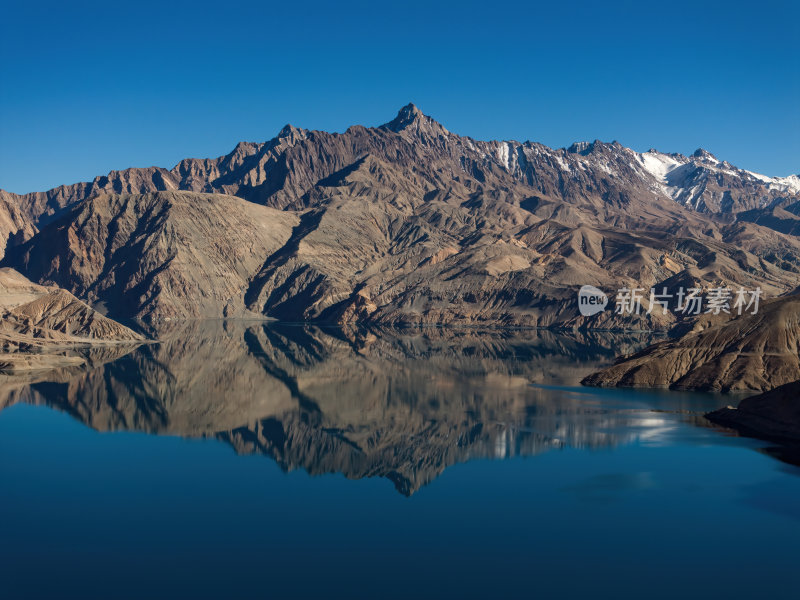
column 88, row 88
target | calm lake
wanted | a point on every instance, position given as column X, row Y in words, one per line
column 237, row 460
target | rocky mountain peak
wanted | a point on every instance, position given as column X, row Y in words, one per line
column 407, row 116
column 586, row 148
column 291, row 133
column 704, row 154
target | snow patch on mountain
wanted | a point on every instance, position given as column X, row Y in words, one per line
column 790, row 184
column 561, row 164
column 659, row 165
column 682, row 179
column 504, row 151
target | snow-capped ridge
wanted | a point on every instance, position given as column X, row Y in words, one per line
column 682, row 178
column 704, row 154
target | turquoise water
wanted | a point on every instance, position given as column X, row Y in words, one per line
column 251, row 461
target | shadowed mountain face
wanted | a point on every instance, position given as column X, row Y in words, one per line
column 773, row 415
column 15, row 227
column 362, row 403
column 408, row 223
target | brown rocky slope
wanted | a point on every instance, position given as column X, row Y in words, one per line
column 40, row 325
column 751, row 352
column 162, row 255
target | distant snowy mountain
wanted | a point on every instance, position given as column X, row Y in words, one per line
column 690, row 180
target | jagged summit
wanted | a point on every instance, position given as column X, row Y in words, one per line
column 406, row 116
column 583, row 148
column 250, row 172
column 291, row 132
column 586, row 148
column 704, row 154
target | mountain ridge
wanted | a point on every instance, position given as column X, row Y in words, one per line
column 407, row 223
column 217, row 174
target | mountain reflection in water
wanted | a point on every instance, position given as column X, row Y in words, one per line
column 401, row 405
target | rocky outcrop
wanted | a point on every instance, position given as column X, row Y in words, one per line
column 752, row 352
column 774, row 415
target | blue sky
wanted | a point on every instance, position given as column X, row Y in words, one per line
column 92, row 87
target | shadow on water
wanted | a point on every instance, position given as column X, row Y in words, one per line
column 403, row 405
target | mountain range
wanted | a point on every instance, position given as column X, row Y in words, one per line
column 406, row 223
